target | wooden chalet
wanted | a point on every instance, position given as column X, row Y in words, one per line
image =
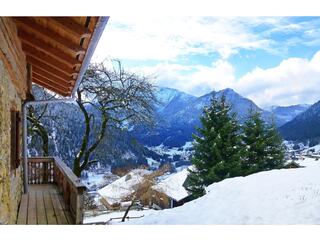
column 52, row 52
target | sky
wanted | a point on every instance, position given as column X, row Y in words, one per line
column 270, row 60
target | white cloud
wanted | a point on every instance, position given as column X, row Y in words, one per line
column 166, row 38
column 293, row 81
column 196, row 80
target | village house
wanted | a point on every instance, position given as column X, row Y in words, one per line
column 54, row 53
column 121, row 190
column 173, row 190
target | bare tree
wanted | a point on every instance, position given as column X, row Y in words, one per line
column 35, row 116
column 119, row 96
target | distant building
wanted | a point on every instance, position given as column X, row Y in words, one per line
column 120, row 190
column 292, row 164
column 173, row 189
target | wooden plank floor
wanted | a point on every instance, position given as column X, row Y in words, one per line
column 43, row 205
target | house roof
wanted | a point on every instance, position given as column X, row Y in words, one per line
column 59, row 49
column 117, row 191
column 173, row 186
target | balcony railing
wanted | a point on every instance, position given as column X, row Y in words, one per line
column 51, row 170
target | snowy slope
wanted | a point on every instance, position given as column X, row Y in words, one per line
column 288, row 196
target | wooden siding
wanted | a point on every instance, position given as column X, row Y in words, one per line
column 12, row 55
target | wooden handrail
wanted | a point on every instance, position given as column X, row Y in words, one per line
column 72, row 189
column 43, row 170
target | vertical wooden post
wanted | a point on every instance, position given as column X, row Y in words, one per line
column 29, row 77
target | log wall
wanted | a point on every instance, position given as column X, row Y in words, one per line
column 13, row 88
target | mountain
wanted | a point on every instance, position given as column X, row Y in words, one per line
column 178, row 116
column 239, row 105
column 171, row 99
column 305, row 126
column 176, row 119
column 286, row 114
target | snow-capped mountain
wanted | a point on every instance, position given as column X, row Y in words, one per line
column 178, row 116
column 170, row 99
column 287, row 113
column 239, row 105
column 305, row 126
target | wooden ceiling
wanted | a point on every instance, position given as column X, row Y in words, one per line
column 55, row 47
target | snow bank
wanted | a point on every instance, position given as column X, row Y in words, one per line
column 287, row 196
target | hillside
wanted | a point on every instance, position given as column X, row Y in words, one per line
column 287, row 196
column 285, row 114
column 176, row 117
column 306, row 126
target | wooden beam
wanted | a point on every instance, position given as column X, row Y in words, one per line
column 29, row 76
column 51, row 51
column 44, row 66
column 27, row 23
column 49, row 87
column 63, row 86
column 50, row 84
column 71, row 26
column 54, row 78
column 31, row 51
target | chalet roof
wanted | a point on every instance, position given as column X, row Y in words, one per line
column 173, row 186
column 59, row 49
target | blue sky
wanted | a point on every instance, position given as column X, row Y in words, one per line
column 271, row 60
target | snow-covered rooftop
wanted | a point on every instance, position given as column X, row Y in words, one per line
column 286, row 196
column 115, row 192
column 172, row 186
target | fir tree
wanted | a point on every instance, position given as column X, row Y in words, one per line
column 263, row 148
column 275, row 150
column 216, row 148
column 254, row 143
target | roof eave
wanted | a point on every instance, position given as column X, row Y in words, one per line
column 91, row 48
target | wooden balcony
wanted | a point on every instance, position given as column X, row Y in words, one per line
column 55, row 194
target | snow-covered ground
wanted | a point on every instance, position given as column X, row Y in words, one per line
column 184, row 152
column 313, row 150
column 97, row 181
column 115, row 216
column 287, row 196
column 161, row 149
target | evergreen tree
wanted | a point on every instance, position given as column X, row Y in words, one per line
column 216, row 148
column 254, row 143
column 263, row 148
column 275, row 150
